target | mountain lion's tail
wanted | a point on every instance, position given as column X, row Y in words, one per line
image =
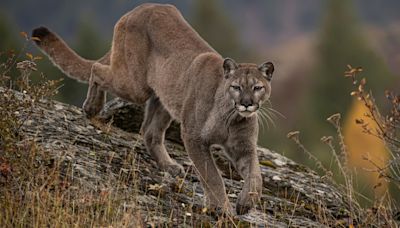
column 63, row 56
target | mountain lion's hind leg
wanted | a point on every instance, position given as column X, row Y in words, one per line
column 101, row 75
column 155, row 123
column 95, row 99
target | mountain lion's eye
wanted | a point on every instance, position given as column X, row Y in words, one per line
column 235, row 87
column 258, row 88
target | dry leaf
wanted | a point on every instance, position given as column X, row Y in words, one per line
column 29, row 55
column 35, row 38
column 24, row 34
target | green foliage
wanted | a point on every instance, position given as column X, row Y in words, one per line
column 89, row 43
column 341, row 42
column 211, row 22
column 7, row 35
column 8, row 42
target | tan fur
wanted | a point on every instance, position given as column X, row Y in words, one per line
column 157, row 57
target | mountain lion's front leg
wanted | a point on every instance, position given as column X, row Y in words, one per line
column 209, row 174
column 245, row 160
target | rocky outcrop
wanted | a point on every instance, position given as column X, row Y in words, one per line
column 102, row 152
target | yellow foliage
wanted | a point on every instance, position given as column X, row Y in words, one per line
column 361, row 145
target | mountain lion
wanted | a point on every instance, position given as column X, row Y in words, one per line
column 157, row 57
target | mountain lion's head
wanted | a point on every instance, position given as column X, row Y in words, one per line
column 247, row 85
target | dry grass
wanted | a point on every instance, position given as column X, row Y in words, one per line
column 36, row 190
column 385, row 210
column 34, row 193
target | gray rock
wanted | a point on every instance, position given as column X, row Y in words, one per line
column 97, row 153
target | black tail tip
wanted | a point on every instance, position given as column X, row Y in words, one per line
column 41, row 33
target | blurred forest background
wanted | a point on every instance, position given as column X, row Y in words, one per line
column 310, row 42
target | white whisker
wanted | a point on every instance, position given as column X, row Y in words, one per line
column 276, row 112
column 267, row 116
column 263, row 117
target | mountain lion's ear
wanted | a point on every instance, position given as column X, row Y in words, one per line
column 267, row 69
column 229, row 67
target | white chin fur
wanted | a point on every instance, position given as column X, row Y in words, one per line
column 247, row 113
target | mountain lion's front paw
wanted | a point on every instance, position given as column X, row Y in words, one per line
column 249, row 195
column 90, row 109
column 244, row 203
column 217, row 211
column 174, row 169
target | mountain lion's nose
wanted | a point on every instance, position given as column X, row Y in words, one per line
column 246, row 104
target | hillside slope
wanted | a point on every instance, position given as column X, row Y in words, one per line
column 98, row 157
